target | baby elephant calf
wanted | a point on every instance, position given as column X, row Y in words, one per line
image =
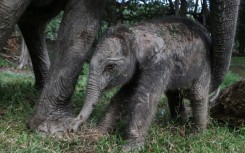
column 170, row 56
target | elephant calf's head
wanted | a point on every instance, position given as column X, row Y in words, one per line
column 113, row 63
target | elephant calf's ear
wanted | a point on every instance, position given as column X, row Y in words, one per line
column 125, row 34
column 147, row 45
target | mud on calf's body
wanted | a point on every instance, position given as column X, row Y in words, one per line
column 170, row 56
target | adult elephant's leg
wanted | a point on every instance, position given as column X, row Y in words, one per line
column 32, row 25
column 10, row 12
column 34, row 35
column 76, row 34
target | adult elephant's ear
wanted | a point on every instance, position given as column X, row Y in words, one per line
column 146, row 45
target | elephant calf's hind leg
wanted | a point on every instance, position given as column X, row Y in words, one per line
column 199, row 104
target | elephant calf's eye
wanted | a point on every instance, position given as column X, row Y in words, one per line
column 110, row 67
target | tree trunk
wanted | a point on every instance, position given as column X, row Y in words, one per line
column 196, row 6
column 24, row 56
column 171, row 6
column 230, row 105
column 183, row 8
column 204, row 12
column 176, row 7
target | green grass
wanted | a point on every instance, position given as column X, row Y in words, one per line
column 238, row 65
column 230, row 78
column 6, row 63
column 17, row 97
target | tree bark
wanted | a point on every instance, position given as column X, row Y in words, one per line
column 204, row 12
column 196, row 6
column 176, row 7
column 171, row 6
column 183, row 8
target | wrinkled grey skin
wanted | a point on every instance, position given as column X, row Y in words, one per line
column 32, row 18
column 171, row 56
column 76, row 34
column 32, row 24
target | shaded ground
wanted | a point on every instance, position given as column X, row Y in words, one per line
column 229, row 108
column 238, row 66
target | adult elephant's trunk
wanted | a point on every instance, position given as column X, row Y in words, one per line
column 224, row 18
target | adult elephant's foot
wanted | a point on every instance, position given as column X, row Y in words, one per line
column 56, row 123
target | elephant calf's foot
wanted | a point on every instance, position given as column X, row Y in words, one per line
column 133, row 146
column 75, row 124
column 55, row 124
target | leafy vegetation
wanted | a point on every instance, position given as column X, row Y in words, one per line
column 18, row 97
column 53, row 27
column 5, row 63
column 230, row 78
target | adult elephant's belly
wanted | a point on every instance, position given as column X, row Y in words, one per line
column 42, row 10
column 42, row 3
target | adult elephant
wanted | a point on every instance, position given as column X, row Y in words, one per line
column 76, row 34
column 32, row 18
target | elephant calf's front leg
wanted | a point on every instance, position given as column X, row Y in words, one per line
column 142, row 109
column 116, row 109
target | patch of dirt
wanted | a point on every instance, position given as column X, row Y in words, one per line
column 230, row 105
